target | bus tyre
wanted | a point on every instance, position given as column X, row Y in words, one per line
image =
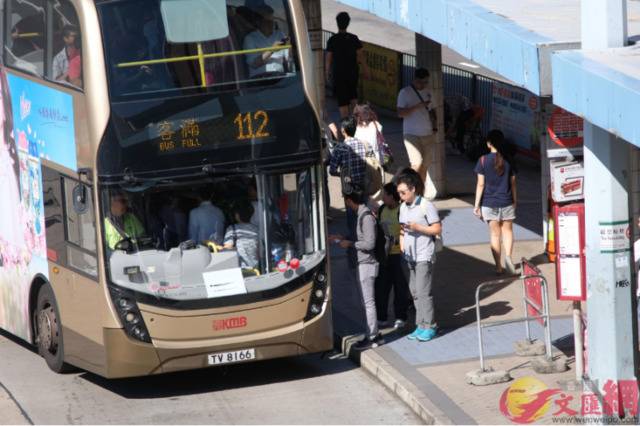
column 49, row 330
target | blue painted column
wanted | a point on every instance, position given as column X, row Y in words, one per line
column 610, row 345
column 609, row 305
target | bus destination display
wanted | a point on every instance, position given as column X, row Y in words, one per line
column 187, row 134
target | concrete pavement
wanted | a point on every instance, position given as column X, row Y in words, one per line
column 10, row 411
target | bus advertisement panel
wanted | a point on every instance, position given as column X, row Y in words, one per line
column 37, row 123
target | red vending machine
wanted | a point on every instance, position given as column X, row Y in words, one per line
column 570, row 260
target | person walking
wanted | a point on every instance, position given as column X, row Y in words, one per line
column 496, row 199
column 367, row 265
column 419, row 126
column 343, row 59
column 393, row 273
column 420, row 225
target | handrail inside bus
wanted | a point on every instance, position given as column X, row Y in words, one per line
column 203, row 56
column 28, row 35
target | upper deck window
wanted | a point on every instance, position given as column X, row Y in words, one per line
column 25, row 42
column 64, row 57
column 52, row 51
column 153, row 51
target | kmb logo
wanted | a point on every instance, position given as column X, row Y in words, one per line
column 226, row 324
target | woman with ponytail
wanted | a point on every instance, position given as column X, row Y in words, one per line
column 496, row 198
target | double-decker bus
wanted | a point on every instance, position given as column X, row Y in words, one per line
column 161, row 183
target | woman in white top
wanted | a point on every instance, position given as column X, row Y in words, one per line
column 368, row 126
column 367, row 130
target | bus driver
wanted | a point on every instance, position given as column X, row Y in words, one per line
column 120, row 224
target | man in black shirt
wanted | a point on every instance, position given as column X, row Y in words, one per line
column 344, row 53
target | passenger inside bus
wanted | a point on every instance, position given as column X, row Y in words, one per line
column 206, row 222
column 243, row 235
column 138, row 77
column 119, row 224
column 74, row 75
column 67, row 54
column 266, row 35
column 153, row 32
column 172, row 222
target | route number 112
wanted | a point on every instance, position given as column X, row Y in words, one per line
column 252, row 125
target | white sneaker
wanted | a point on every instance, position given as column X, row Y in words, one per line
column 508, row 265
column 399, row 324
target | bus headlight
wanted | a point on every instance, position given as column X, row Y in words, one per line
column 318, row 293
column 129, row 314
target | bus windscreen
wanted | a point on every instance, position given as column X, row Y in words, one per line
column 207, row 239
column 153, row 51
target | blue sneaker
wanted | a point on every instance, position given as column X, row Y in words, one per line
column 427, row 334
column 417, row 332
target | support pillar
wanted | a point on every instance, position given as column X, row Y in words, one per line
column 313, row 15
column 611, row 347
column 429, row 56
column 610, row 319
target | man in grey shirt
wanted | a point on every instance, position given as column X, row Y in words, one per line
column 367, row 272
column 420, row 225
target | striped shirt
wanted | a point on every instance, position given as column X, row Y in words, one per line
column 244, row 237
column 349, row 155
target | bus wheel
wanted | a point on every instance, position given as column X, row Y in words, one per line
column 49, row 330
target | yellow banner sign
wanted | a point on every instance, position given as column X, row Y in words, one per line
column 382, row 85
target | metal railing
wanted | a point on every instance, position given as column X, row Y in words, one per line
column 543, row 311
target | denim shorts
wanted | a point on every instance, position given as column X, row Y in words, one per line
column 498, row 213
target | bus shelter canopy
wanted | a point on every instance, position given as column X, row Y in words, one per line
column 513, row 39
column 534, row 44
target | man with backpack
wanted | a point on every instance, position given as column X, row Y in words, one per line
column 420, row 227
column 368, row 245
column 348, row 161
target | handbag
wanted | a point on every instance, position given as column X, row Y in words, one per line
column 431, row 112
column 386, row 156
column 373, row 173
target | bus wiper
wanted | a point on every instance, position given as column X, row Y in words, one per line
column 210, row 169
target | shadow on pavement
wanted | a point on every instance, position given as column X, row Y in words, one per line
column 221, row 378
column 456, row 278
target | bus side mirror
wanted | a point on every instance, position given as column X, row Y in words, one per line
column 80, row 195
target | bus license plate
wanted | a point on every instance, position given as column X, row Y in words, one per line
column 233, row 356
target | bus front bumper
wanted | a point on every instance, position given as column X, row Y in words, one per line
column 126, row 357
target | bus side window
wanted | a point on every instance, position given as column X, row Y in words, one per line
column 64, row 54
column 25, row 35
column 53, row 215
column 80, row 228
